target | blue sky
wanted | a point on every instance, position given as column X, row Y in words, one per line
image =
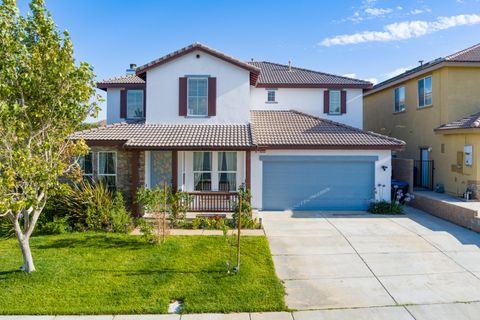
column 368, row 39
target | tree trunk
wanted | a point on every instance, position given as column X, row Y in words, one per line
column 27, row 255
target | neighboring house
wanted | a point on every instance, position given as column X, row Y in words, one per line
column 435, row 109
column 206, row 122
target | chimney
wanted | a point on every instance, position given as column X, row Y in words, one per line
column 289, row 66
column 421, row 62
column 131, row 70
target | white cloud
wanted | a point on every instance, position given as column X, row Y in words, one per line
column 403, row 30
column 374, row 81
column 397, row 71
column 420, row 11
column 377, row 11
column 350, row 75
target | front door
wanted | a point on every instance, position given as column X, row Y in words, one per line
column 160, row 168
column 425, row 172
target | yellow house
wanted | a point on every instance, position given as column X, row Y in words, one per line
column 435, row 109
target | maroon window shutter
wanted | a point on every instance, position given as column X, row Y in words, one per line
column 123, row 103
column 343, row 101
column 326, row 101
column 212, row 97
column 182, row 98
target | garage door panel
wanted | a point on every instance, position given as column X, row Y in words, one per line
column 317, row 185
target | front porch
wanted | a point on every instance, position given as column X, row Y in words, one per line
column 210, row 177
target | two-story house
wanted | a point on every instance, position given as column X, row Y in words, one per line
column 435, row 109
column 206, row 122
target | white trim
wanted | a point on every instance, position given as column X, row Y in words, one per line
column 147, row 169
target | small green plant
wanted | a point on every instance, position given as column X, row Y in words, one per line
column 147, row 231
column 246, row 219
column 178, row 204
column 57, row 226
column 385, row 207
column 155, row 201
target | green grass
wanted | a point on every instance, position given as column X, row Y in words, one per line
column 96, row 273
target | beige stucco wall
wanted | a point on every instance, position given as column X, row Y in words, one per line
column 455, row 94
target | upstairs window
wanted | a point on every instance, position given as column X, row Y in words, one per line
column 197, row 99
column 425, row 92
column 335, row 102
column 271, row 95
column 399, row 100
column 135, row 104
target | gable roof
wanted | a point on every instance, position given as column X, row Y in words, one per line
column 254, row 71
column 297, row 130
column 469, row 55
column 469, row 122
column 121, row 81
column 279, row 75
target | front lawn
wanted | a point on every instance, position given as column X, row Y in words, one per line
column 97, row 273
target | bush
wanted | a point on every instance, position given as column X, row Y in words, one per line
column 86, row 207
column 57, row 226
column 385, row 207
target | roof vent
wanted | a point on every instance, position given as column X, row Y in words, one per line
column 131, row 70
column 421, row 62
column 289, row 66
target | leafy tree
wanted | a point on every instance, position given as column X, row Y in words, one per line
column 44, row 97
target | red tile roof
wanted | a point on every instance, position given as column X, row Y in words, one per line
column 469, row 122
column 269, row 129
column 119, row 81
column 469, row 55
column 274, row 74
column 136, row 135
column 293, row 129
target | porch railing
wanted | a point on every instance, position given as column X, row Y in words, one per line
column 213, row 201
column 423, row 174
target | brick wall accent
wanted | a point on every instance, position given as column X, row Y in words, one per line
column 124, row 170
column 461, row 216
column 402, row 169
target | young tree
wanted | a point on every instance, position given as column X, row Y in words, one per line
column 44, row 97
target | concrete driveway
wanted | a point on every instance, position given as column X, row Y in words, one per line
column 335, row 260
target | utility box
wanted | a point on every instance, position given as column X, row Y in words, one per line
column 468, row 154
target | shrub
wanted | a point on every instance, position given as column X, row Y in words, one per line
column 178, row 203
column 246, row 219
column 85, row 206
column 385, row 207
column 147, row 231
column 57, row 226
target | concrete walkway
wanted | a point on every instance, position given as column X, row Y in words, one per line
column 332, row 260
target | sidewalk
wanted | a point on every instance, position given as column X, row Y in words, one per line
column 442, row 311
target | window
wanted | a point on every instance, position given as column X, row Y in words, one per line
column 202, row 171
column 107, row 168
column 334, row 102
column 86, row 165
column 425, row 92
column 227, row 171
column 270, row 95
column 399, row 104
column 197, row 96
column 135, row 104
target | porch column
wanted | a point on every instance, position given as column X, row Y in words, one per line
column 175, row 169
column 135, row 181
column 247, row 168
